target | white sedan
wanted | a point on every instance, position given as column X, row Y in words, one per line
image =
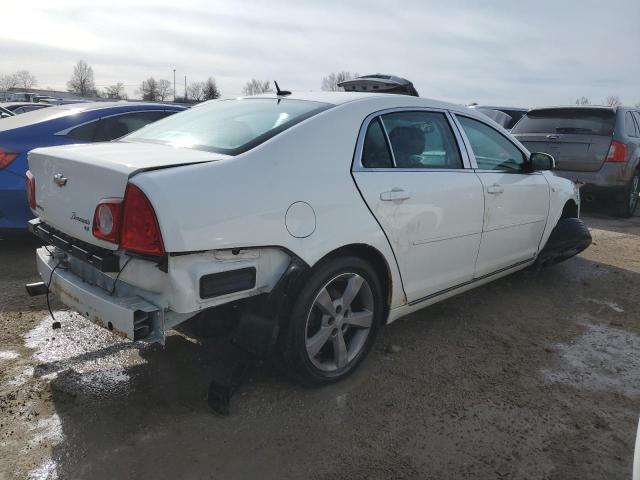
column 312, row 219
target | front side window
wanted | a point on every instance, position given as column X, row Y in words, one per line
column 229, row 126
column 492, row 150
column 422, row 140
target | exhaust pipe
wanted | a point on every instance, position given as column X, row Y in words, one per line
column 35, row 289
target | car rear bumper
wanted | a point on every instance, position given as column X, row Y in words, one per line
column 14, row 209
column 610, row 179
column 129, row 316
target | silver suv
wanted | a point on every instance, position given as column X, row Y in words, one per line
column 597, row 146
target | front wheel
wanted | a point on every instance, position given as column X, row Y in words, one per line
column 333, row 322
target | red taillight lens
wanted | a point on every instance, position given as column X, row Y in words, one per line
column 106, row 220
column 140, row 230
column 30, row 183
column 6, row 158
column 617, row 152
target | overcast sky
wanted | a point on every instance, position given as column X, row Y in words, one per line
column 505, row 52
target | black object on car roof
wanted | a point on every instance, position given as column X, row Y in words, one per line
column 380, row 83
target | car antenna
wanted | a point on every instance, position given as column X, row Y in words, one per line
column 281, row 93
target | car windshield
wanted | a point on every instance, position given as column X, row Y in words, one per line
column 229, row 126
column 579, row 121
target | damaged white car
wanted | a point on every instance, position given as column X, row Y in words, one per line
column 312, row 219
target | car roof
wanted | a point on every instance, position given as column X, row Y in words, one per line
column 497, row 107
column 386, row 100
column 59, row 111
column 21, row 104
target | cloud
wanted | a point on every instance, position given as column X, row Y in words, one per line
column 492, row 52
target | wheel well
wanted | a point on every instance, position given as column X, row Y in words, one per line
column 375, row 258
column 570, row 210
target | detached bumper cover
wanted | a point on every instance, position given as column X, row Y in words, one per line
column 129, row 317
column 569, row 237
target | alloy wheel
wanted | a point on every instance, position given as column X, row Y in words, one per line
column 339, row 322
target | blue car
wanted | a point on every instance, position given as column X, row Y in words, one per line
column 61, row 125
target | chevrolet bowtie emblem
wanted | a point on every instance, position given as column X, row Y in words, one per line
column 60, row 179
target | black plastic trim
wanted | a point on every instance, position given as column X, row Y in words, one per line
column 224, row 283
column 101, row 258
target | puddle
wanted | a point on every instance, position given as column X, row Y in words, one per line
column 93, row 360
column 603, row 358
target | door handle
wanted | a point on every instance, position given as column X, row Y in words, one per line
column 394, row 194
column 495, row 189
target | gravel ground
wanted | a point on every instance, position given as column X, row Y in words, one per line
column 536, row 375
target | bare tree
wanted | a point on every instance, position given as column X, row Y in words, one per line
column 149, row 89
column 82, row 81
column 210, row 90
column 613, row 101
column 583, row 101
column 165, row 89
column 115, row 91
column 331, row 81
column 195, row 91
column 7, row 82
column 256, row 87
column 25, row 79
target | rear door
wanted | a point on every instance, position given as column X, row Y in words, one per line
column 418, row 183
column 516, row 203
column 578, row 137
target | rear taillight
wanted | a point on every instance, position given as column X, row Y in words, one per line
column 131, row 222
column 106, row 220
column 6, row 158
column 617, row 152
column 30, row 183
column 140, row 229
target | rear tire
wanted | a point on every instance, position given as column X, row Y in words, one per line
column 333, row 322
column 628, row 205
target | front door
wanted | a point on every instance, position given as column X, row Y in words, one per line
column 516, row 201
column 429, row 205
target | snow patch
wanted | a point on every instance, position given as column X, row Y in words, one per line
column 46, row 471
column 8, row 355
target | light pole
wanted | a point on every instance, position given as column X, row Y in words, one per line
column 174, row 84
column 185, row 88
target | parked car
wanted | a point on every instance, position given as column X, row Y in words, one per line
column 596, row 146
column 319, row 217
column 507, row 117
column 60, row 125
column 22, row 107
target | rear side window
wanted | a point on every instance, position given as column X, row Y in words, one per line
column 422, row 140
column 492, row 150
column 84, row 133
column 637, row 117
column 111, row 128
column 375, row 152
column 630, row 127
column 578, row 121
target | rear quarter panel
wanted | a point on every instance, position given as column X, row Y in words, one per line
column 242, row 201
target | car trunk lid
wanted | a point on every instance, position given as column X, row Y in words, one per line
column 578, row 138
column 71, row 180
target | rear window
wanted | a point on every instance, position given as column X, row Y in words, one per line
column 579, row 121
column 229, row 126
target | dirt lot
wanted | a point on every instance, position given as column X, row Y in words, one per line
column 533, row 376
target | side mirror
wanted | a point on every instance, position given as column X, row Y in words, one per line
column 540, row 161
